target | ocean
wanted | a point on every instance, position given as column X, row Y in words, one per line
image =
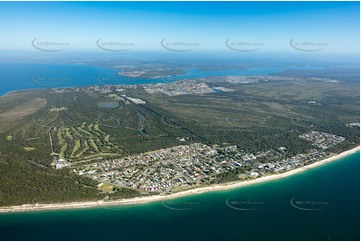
column 318, row 204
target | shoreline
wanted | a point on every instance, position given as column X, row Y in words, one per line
column 156, row 198
column 14, row 91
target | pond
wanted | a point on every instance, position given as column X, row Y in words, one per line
column 108, row 105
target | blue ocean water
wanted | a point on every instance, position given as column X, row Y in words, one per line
column 319, row 204
column 19, row 76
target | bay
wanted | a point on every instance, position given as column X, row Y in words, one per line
column 23, row 76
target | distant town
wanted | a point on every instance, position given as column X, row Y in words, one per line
column 202, row 85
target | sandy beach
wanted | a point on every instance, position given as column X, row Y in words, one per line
column 140, row 200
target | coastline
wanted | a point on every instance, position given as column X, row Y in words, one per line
column 14, row 91
column 22, row 90
column 156, row 198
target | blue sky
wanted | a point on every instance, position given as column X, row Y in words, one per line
column 271, row 25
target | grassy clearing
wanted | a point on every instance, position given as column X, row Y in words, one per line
column 96, row 127
column 107, row 137
column 63, row 150
column 75, row 131
column 99, row 141
column 67, row 133
column 106, row 187
column 94, row 145
column 76, row 147
column 83, row 125
column 84, row 131
column 86, row 147
column 96, row 133
column 115, row 97
column 60, row 136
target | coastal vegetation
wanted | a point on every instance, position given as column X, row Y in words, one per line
column 66, row 127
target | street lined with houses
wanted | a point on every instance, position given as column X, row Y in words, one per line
column 185, row 166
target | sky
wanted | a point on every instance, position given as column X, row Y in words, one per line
column 263, row 27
